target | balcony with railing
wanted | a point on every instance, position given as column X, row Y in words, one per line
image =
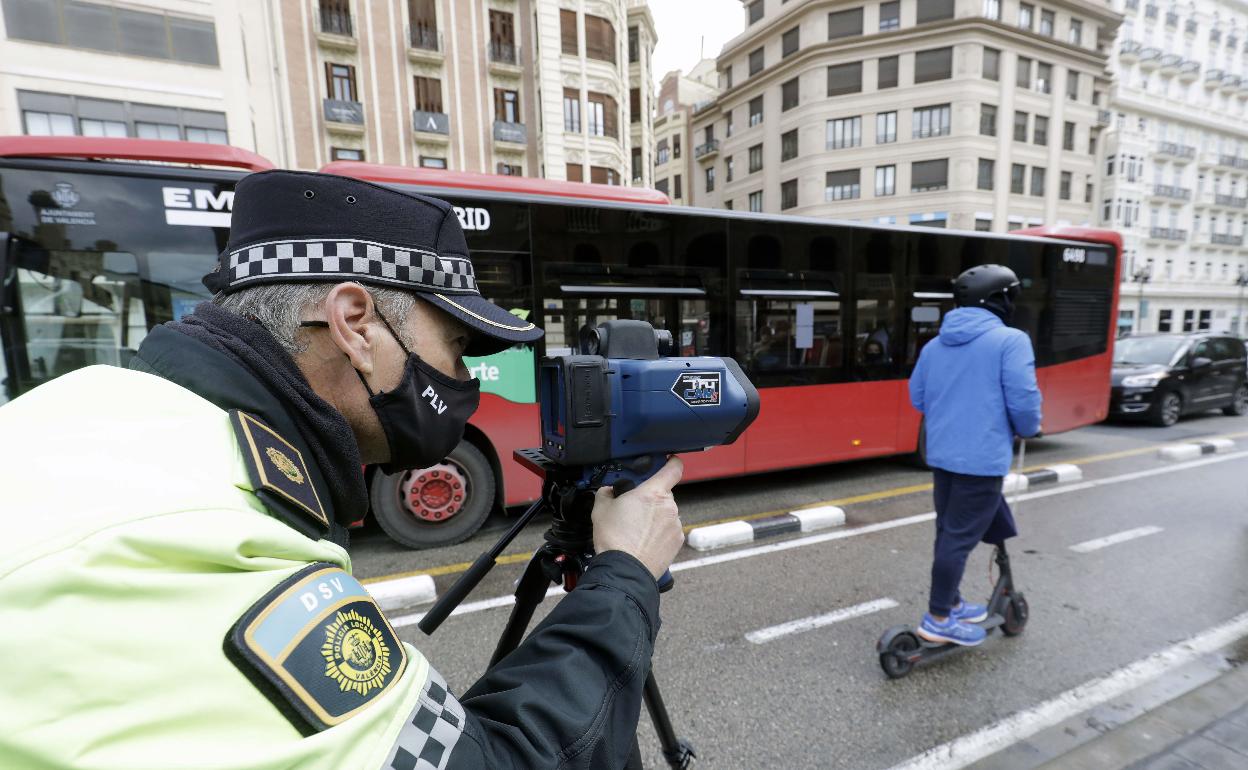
column 1230, row 201
column 1129, row 50
column 334, row 28
column 1167, row 234
column 1213, row 78
column 1232, row 161
column 1189, row 70
column 344, row 116
column 515, row 133
column 1150, row 58
column 1226, row 239
column 1171, row 192
column 706, row 150
column 431, row 122
column 503, row 53
column 424, row 43
column 1230, row 83
column 1176, row 150
column 1170, row 63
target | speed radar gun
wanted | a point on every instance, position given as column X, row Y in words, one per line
column 611, row 414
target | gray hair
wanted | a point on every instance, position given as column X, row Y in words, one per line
column 280, row 307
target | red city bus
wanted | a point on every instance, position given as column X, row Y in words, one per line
column 826, row 317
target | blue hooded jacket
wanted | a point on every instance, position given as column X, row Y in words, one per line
column 976, row 387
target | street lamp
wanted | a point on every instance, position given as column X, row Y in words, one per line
column 1142, row 275
column 1241, row 281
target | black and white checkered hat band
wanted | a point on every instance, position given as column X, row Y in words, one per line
column 377, row 262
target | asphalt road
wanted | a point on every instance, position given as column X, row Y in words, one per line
column 818, row 698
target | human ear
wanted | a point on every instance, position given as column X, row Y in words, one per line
column 348, row 310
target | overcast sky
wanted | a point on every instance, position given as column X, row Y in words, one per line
column 687, row 26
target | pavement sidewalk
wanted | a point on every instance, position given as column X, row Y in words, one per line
column 1204, row 728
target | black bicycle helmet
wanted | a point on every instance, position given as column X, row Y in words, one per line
column 976, row 285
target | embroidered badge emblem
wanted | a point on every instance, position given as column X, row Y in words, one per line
column 356, row 654
column 284, row 464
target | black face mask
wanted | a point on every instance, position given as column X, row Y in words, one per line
column 424, row 416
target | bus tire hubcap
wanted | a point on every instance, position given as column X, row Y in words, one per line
column 434, row 494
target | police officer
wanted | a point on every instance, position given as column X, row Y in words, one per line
column 174, row 585
column 976, row 387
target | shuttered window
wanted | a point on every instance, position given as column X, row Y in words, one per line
column 599, row 39
column 845, row 23
column 428, row 94
column 567, row 32
column 926, row 175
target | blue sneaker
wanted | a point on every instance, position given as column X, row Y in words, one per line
column 952, row 631
column 970, row 613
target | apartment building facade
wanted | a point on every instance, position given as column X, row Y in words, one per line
column 173, row 69
column 1175, row 165
column 679, row 95
column 970, row 114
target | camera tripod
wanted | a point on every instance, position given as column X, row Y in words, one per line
column 562, row 559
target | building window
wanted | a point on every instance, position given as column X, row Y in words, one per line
column 1044, row 78
column 166, row 131
column 336, row 17
column 1072, row 85
column 603, row 175
column 887, row 72
column 1046, row 23
column 1163, row 320
column 675, row 145
column 634, row 46
column 845, row 23
column 936, row 64
column 788, row 95
column 428, row 94
column 987, row 170
column 756, row 158
column 600, row 45
column 890, row 15
column 931, row 121
column 1076, row 32
column 756, row 61
column 933, row 10
column 788, row 145
column 1189, row 319
column 983, row 224
column 756, row 10
column 756, row 201
column 1022, row 75
column 1068, row 136
column 51, row 124
column 728, row 167
column 99, row 27
column 113, row 128
column 636, row 158
column 341, row 80
column 844, row 132
column 790, row 42
column 845, row 79
column 430, row 161
column 756, row 110
column 503, row 37
column 710, row 178
column 728, row 123
column 634, row 105
column 1087, row 193
column 567, row 33
column 992, row 64
column 885, row 127
column 677, row 192
column 1017, row 174
column 728, row 205
column 603, row 115
column 508, row 169
column 506, row 106
column 929, row 175
column 1040, row 133
column 1026, row 14
column 992, row 10
column 1020, row 126
column 661, row 186
column 988, row 120
column 1037, row 181
column 885, row 181
column 661, row 152
column 842, row 185
column 1063, row 189
column 576, row 173
column 788, row 194
column 345, row 153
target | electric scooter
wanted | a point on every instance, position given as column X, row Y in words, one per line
column 901, row 648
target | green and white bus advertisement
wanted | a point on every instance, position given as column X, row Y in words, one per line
column 511, row 374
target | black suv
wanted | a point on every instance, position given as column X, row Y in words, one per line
column 1162, row 377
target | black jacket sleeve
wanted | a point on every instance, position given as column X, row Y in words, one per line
column 570, row 695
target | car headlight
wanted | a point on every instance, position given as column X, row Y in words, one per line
column 1143, row 380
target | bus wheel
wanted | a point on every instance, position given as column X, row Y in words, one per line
column 436, row 506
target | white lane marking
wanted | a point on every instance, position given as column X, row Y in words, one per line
column 988, row 740
column 772, row 633
column 1088, row 546
column 786, row 545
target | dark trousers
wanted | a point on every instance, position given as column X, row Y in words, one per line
column 969, row 509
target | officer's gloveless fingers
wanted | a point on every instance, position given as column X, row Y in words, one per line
column 644, row 522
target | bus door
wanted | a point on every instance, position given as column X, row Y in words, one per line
column 877, row 363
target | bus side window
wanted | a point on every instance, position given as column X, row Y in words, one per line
column 789, row 342
column 688, row 320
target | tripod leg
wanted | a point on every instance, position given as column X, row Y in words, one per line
column 678, row 753
column 529, row 593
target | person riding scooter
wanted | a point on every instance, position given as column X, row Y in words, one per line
column 976, row 387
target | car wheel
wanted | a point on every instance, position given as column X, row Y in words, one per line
column 440, row 505
column 1239, row 404
column 1167, row 409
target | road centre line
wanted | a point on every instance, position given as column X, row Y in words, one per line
column 885, row 494
column 772, row 633
column 1021, row 725
column 801, row 542
column 1088, row 546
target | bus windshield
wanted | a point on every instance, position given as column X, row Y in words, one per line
column 1147, row 350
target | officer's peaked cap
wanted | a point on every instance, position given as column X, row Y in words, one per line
column 295, row 226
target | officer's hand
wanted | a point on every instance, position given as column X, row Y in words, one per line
column 643, row 522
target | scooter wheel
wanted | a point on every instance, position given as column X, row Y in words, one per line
column 895, row 659
column 1016, row 614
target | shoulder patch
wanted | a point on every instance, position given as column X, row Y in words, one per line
column 278, row 472
column 322, row 643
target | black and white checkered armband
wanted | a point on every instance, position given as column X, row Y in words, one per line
column 431, row 730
